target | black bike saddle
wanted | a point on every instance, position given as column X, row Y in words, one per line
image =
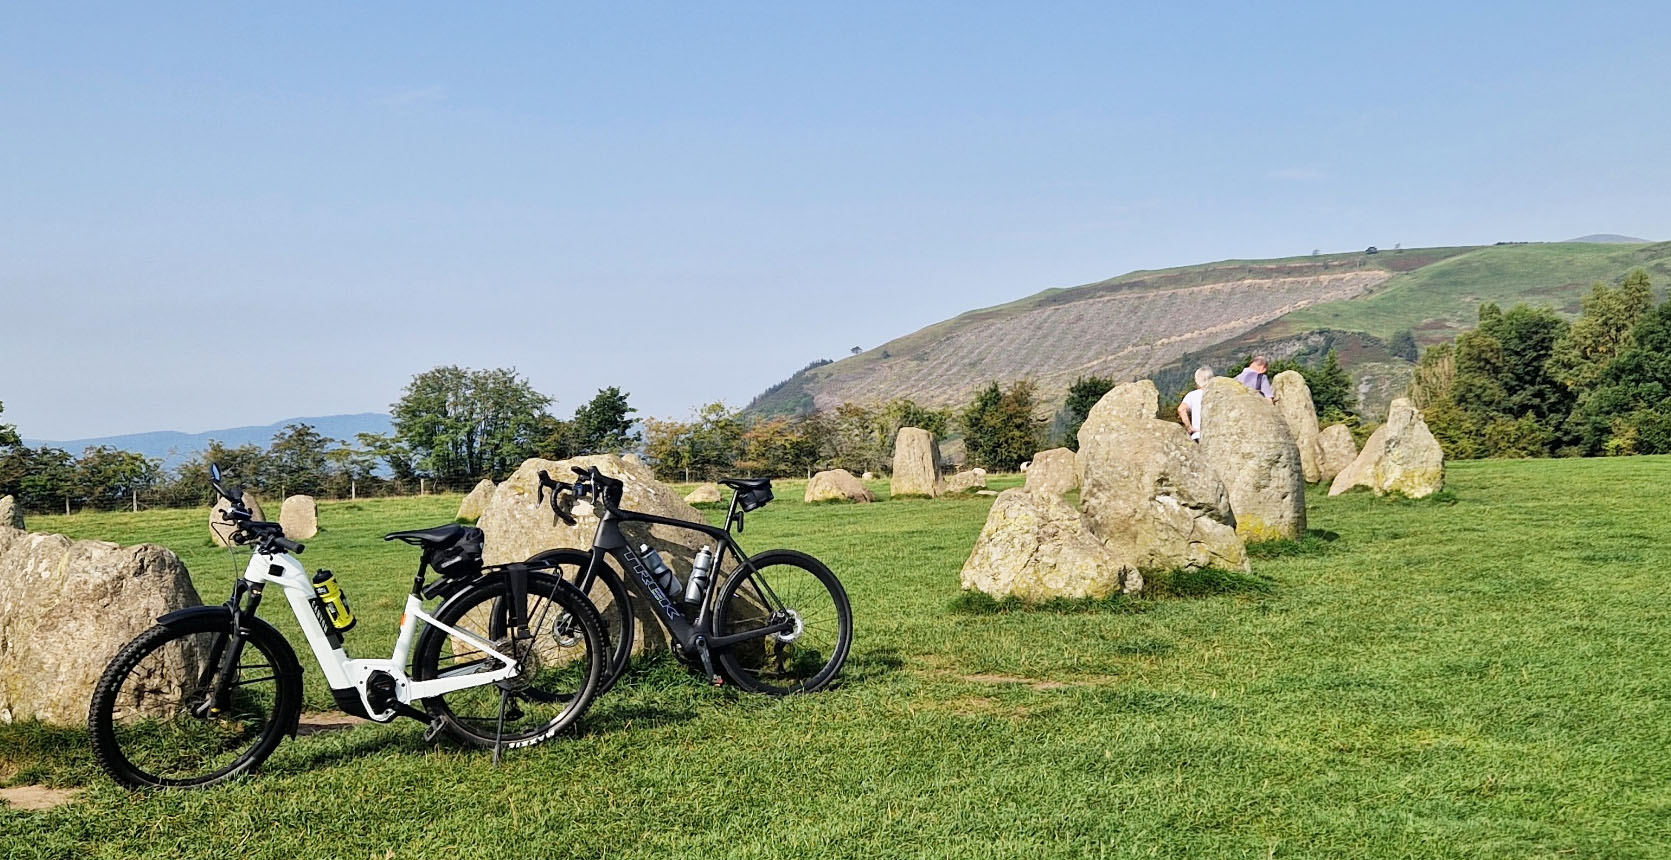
column 428, row 537
column 746, row 483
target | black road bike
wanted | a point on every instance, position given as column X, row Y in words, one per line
column 778, row 622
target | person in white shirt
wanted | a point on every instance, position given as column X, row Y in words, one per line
column 1189, row 411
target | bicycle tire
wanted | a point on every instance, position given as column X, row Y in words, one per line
column 571, row 682
column 804, row 660
column 617, row 615
column 135, row 737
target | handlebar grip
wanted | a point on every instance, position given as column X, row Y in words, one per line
column 289, row 545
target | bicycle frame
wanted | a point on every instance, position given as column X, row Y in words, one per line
column 694, row 636
column 350, row 679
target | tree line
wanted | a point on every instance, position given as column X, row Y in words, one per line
column 1527, row 383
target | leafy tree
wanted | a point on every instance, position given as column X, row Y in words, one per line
column 905, row 412
column 1082, row 395
column 297, row 461
column 705, row 447
column 999, row 430
column 393, row 452
column 667, row 445
column 109, row 477
column 40, row 478
column 461, row 424
column 8, row 432
column 1627, row 410
column 1492, row 394
column 781, row 446
column 603, row 425
column 1403, row 345
column 347, row 470
column 1601, row 331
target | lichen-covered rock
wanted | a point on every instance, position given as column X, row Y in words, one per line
column 916, row 464
column 1248, row 446
column 1401, row 456
column 66, row 607
column 11, row 513
column 837, row 485
column 299, row 517
column 1128, row 401
column 1148, row 493
column 1037, row 547
column 471, row 508
column 516, row 526
column 1052, row 473
column 967, row 482
column 220, row 529
column 706, row 494
column 1336, row 449
column 1293, row 400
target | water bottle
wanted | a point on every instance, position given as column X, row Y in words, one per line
column 334, row 600
column 699, row 575
column 664, row 574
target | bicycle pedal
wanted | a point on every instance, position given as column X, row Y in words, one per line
column 436, row 727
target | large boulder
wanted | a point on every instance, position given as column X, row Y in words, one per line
column 11, row 513
column 1036, row 547
column 220, row 529
column 1052, row 473
column 1147, row 491
column 916, row 464
column 516, row 526
column 1248, row 446
column 471, row 508
column 66, row 607
column 1130, row 401
column 1336, row 449
column 706, row 494
column 1401, row 456
column 299, row 517
column 967, row 482
column 1293, row 400
column 837, row 485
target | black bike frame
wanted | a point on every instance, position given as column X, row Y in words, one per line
column 693, row 636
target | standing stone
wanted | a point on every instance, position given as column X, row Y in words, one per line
column 1148, row 493
column 916, row 464
column 220, row 529
column 1336, row 449
column 1293, row 400
column 471, row 508
column 299, row 517
column 11, row 513
column 1128, row 401
column 66, row 607
column 705, row 494
column 868, row 476
column 1248, row 446
column 967, row 482
column 1401, row 456
column 515, row 527
column 837, row 485
column 1037, row 547
column 1052, row 473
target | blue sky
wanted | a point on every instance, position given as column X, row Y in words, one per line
column 232, row 213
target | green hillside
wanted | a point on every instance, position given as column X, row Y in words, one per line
column 1438, row 300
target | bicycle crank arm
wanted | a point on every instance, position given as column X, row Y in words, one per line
column 748, row 635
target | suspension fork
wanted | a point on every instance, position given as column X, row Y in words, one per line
column 228, row 650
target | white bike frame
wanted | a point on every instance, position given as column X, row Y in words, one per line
column 343, row 672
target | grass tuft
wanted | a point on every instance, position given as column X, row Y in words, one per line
column 1313, row 543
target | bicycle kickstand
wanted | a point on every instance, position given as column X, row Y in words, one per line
column 499, row 732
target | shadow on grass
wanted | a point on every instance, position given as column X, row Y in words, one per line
column 1183, row 582
column 37, row 753
column 1312, row 543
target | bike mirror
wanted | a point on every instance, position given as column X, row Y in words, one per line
column 214, row 473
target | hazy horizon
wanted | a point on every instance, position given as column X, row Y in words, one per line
column 223, row 216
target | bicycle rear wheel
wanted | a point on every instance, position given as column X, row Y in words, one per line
column 784, row 586
column 609, row 594
column 562, row 665
column 156, row 719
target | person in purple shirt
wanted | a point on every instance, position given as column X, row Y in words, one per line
column 1253, row 376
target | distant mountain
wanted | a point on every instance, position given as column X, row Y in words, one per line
column 174, row 447
column 1162, row 324
column 1609, row 239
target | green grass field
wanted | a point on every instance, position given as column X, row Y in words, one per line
column 1485, row 678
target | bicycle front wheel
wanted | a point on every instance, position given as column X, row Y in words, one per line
column 165, row 715
column 561, row 666
column 610, row 597
column 776, row 587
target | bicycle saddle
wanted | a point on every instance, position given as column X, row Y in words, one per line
column 746, row 483
column 428, row 537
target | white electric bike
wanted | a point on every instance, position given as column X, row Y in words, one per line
column 510, row 657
